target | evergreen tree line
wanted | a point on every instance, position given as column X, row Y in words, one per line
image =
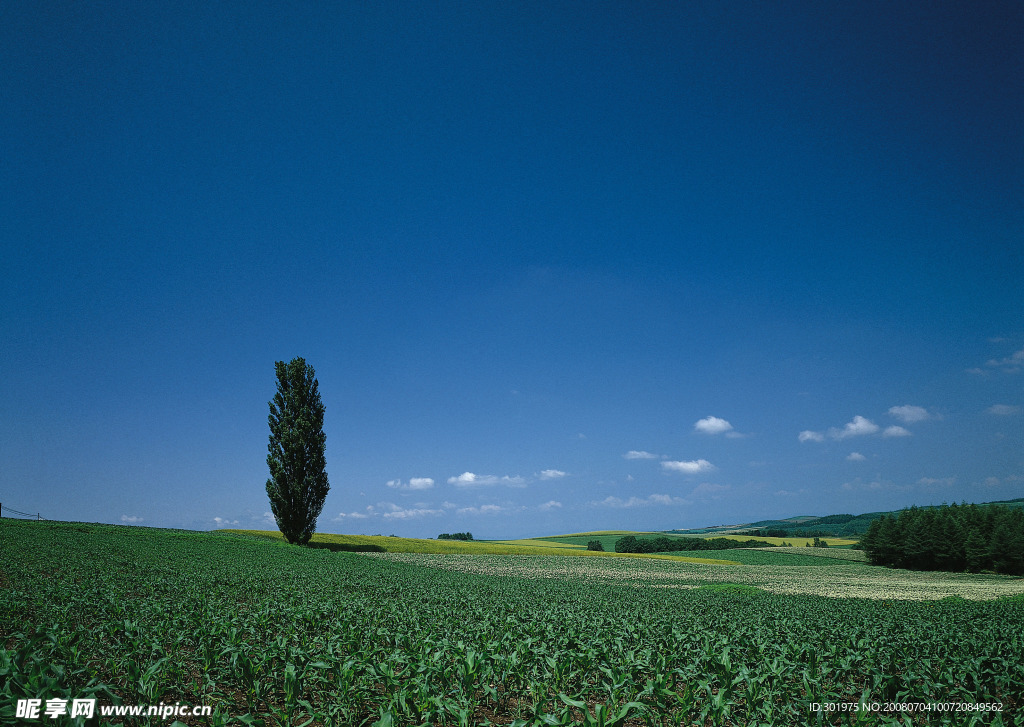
column 633, row 544
column 949, row 538
column 455, row 536
column 840, row 519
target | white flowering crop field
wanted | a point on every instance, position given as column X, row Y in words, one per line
column 855, row 581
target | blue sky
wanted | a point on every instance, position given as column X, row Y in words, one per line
column 558, row 266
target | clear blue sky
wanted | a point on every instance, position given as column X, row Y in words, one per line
column 558, row 266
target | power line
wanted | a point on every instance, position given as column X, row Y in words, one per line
column 3, row 513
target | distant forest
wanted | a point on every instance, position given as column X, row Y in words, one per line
column 835, row 526
column 949, row 538
column 455, row 536
column 632, row 544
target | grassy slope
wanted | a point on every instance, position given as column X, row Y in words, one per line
column 608, row 540
column 462, row 547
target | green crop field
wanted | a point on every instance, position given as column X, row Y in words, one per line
column 270, row 634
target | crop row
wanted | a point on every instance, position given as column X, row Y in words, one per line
column 292, row 636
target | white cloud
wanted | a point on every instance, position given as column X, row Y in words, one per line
column 691, row 468
column 410, row 513
column 482, row 510
column 860, row 426
column 1003, row 410
column 221, row 522
column 132, row 519
column 468, row 479
column 353, row 515
column 1011, row 364
column 855, row 457
column 933, row 482
column 552, row 474
column 908, row 413
column 394, row 512
column 634, row 454
column 549, row 505
column 712, row 425
column 415, row 483
column 655, row 499
column 859, row 484
column 611, row 501
column 370, row 512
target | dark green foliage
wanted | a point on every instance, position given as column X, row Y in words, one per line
column 951, row 538
column 455, row 536
column 818, row 543
column 595, row 545
column 627, row 544
column 348, row 547
column 631, row 544
column 298, row 470
column 831, row 520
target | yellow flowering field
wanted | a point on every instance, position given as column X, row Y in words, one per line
column 471, row 547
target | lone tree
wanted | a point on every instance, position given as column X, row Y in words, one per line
column 298, row 477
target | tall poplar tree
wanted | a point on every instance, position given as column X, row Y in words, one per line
column 298, row 476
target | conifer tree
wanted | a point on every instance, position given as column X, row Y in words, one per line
column 976, row 551
column 298, row 476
